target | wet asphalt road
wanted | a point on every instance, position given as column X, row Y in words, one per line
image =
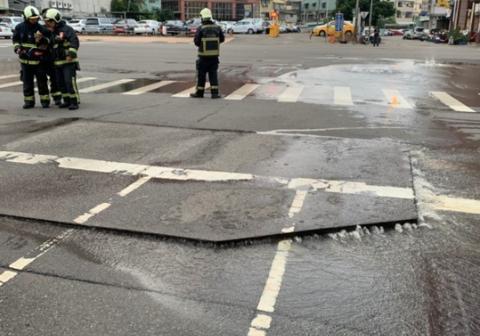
column 113, row 248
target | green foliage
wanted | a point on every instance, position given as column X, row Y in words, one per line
column 131, row 6
column 163, row 15
column 457, row 36
column 381, row 9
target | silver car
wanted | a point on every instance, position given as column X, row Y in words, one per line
column 97, row 25
column 5, row 31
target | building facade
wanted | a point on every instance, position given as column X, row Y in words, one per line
column 14, row 7
column 466, row 16
column 408, row 11
column 315, row 10
column 287, row 10
column 225, row 10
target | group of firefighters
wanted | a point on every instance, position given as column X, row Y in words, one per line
column 49, row 55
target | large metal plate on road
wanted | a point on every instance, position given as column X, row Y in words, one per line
column 277, row 186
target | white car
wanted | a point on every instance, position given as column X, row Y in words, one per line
column 78, row 25
column 226, row 25
column 11, row 21
column 5, row 31
column 248, row 26
column 147, row 27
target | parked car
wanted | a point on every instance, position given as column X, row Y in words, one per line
column 147, row 27
column 11, row 21
column 192, row 26
column 292, row 28
column 329, row 29
column 175, row 27
column 396, row 32
column 95, row 25
column 78, row 25
column 125, row 26
column 248, row 26
column 5, row 31
column 226, row 25
column 417, row 33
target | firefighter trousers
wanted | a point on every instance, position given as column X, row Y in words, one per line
column 67, row 82
column 207, row 65
column 52, row 78
column 28, row 74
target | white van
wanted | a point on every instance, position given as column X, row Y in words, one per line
column 248, row 26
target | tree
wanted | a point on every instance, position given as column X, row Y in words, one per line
column 132, row 6
column 381, row 8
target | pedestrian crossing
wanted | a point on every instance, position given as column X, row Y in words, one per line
column 342, row 96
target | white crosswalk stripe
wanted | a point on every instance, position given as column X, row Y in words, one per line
column 291, row 94
column 11, row 84
column 105, row 85
column 148, row 88
column 396, row 100
column 186, row 93
column 242, row 92
column 343, row 96
column 451, row 102
column 9, row 76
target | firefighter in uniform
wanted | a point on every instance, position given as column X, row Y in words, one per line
column 50, row 69
column 65, row 49
column 208, row 39
column 30, row 43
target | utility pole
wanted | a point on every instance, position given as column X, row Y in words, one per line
column 357, row 26
column 370, row 17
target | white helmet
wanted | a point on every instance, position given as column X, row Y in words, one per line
column 206, row 14
column 31, row 12
column 53, row 14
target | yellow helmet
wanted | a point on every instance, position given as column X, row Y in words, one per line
column 53, row 14
column 31, row 12
column 206, row 14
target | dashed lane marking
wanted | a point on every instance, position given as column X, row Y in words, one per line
column 343, row 96
column 148, row 88
column 11, row 84
column 105, row 85
column 46, row 246
column 291, row 94
column 186, row 93
column 242, row 92
column 451, row 102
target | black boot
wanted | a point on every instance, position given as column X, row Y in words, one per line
column 197, row 94
column 66, row 103
column 45, row 104
column 28, row 105
column 215, row 94
column 58, row 102
column 73, row 104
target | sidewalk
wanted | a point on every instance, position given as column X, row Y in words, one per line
column 141, row 39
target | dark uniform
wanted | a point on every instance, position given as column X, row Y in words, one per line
column 51, row 74
column 208, row 39
column 65, row 50
column 30, row 42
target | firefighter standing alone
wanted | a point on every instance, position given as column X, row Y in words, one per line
column 208, row 38
column 30, row 42
column 65, row 49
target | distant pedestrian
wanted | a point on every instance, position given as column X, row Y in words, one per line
column 208, row 39
column 376, row 38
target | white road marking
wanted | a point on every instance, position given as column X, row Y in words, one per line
column 180, row 174
column 291, row 94
column 446, row 203
column 255, row 332
column 242, row 92
column 91, row 213
column 262, row 321
column 396, row 100
column 297, row 203
column 186, row 93
column 105, row 85
column 343, row 96
column 80, row 80
column 23, row 262
column 451, row 102
column 7, row 85
column 148, row 88
column 134, row 186
column 9, row 76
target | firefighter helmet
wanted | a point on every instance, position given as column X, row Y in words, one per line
column 206, row 14
column 31, row 12
column 53, row 14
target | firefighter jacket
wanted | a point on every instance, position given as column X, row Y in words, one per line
column 65, row 44
column 208, row 38
column 31, row 42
